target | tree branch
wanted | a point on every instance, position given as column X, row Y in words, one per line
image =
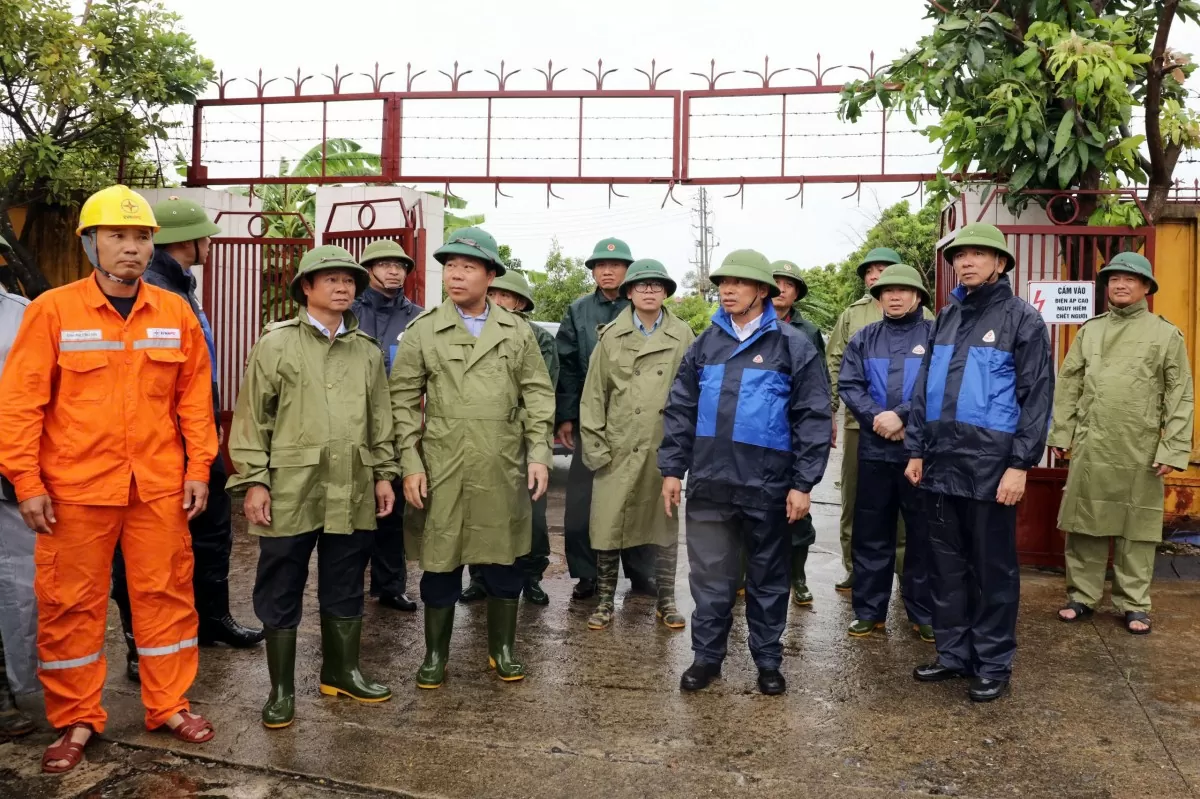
column 1160, row 172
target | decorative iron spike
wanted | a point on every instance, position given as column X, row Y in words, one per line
column 799, row 193
column 336, row 79
column 653, row 76
column 260, row 85
column 502, row 78
column 614, row 193
column 550, row 193
column 499, row 194
column 298, row 82
column 454, row 79
column 766, row 74
column 550, row 74
column 857, row 192
column 712, row 77
column 222, row 83
column 741, row 192
column 377, row 79
column 819, row 74
column 411, row 77
column 670, row 194
column 600, row 74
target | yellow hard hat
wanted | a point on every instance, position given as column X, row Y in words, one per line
column 116, row 206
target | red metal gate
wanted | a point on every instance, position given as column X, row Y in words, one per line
column 245, row 288
column 411, row 236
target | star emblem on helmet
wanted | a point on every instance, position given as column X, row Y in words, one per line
column 129, row 206
column 612, row 247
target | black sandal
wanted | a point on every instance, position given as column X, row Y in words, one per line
column 1137, row 615
column 1082, row 612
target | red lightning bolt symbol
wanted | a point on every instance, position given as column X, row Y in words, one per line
column 1038, row 302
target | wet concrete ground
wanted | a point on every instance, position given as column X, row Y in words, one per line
column 1094, row 712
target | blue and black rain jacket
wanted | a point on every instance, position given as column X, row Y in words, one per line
column 879, row 372
column 984, row 395
column 748, row 420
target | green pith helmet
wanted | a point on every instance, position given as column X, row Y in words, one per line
column 182, row 220
column 610, row 250
column 378, row 250
column 900, row 275
column 1131, row 263
column 980, row 234
column 330, row 256
column 748, row 265
column 515, row 282
column 792, row 272
column 879, row 255
column 474, row 242
column 646, row 269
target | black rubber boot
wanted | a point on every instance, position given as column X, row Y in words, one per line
column 340, row 641
column 439, row 625
column 13, row 721
column 280, row 708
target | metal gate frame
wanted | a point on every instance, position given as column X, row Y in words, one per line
column 411, row 237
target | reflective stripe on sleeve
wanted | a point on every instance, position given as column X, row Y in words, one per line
column 90, row 346
column 54, row 665
column 156, row 344
column 171, row 649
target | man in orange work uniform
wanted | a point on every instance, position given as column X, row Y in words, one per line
column 107, row 378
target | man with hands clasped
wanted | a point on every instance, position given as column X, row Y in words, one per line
column 978, row 423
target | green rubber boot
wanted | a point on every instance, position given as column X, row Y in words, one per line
column 439, row 624
column 280, row 708
column 846, row 585
column 861, row 628
column 924, row 632
column 502, row 634
column 800, row 593
column 608, row 562
column 664, row 577
column 340, row 640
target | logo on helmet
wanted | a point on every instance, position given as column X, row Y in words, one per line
column 129, row 206
column 612, row 247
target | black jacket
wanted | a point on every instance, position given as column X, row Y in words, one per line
column 384, row 318
column 984, row 393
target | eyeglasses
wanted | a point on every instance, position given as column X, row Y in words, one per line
column 649, row 286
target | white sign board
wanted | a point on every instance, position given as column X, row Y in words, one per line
column 1063, row 302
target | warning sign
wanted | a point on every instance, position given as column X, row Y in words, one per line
column 1062, row 302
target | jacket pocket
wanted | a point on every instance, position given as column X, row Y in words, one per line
column 185, row 562
column 45, row 577
column 82, row 378
column 162, row 370
column 296, row 477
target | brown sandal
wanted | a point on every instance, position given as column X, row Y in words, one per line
column 68, row 750
column 194, row 729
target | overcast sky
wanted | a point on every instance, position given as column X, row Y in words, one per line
column 241, row 36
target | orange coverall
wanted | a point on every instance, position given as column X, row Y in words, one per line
column 93, row 407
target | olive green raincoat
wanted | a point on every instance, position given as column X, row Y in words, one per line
column 621, row 427
column 314, row 425
column 857, row 315
column 1123, row 402
column 474, row 443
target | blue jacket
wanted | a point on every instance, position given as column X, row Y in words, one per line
column 748, row 421
column 879, row 371
column 384, row 318
column 984, row 394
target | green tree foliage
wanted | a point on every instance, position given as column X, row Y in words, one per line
column 1040, row 93
column 694, row 309
column 834, row 286
column 564, row 280
column 78, row 94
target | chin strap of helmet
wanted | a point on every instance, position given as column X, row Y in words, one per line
column 91, row 249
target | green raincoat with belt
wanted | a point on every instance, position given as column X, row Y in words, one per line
column 474, row 442
column 313, row 424
column 621, row 426
column 1123, row 402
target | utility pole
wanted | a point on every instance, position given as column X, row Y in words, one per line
column 705, row 242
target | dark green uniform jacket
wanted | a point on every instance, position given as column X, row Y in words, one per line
column 577, row 338
column 314, row 425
